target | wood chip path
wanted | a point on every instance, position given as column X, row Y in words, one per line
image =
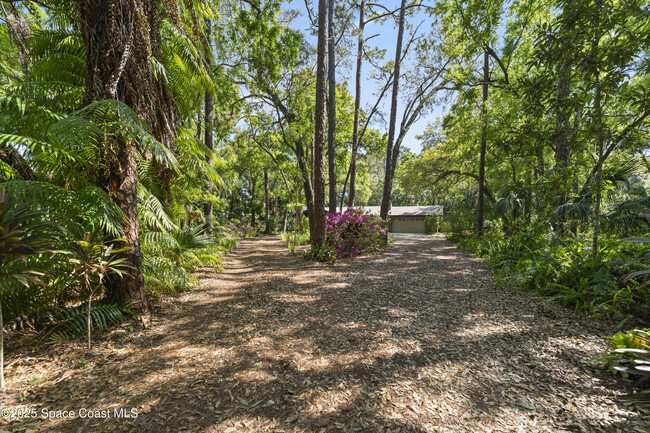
column 416, row 340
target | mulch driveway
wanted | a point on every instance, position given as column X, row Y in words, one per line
column 418, row 339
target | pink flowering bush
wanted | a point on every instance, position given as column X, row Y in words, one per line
column 354, row 233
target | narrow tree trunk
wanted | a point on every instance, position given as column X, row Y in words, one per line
column 481, row 166
column 284, row 219
column 598, row 120
column 299, row 211
column 357, row 108
column 318, row 221
column 562, row 130
column 388, row 178
column 208, row 208
column 331, row 107
column 88, row 324
column 252, row 203
column 267, row 212
column 345, row 185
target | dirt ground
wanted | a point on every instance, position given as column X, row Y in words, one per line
column 418, row 339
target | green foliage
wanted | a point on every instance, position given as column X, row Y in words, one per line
column 564, row 271
column 70, row 322
column 629, row 355
column 294, row 240
column 170, row 258
column 25, row 237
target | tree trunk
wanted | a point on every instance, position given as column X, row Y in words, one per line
column 598, row 120
column 267, row 213
column 481, row 166
column 331, row 107
column 284, row 219
column 357, row 108
column 252, row 203
column 562, row 130
column 318, row 221
column 19, row 31
column 208, row 208
column 120, row 38
column 388, row 175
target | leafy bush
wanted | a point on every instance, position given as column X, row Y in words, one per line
column 294, row 239
column 563, row 270
column 171, row 257
column 354, row 233
column 629, row 355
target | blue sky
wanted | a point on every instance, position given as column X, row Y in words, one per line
column 386, row 39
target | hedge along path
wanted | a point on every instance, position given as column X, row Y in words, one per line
column 418, row 339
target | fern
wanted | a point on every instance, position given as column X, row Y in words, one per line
column 73, row 321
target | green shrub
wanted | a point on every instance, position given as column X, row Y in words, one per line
column 629, row 355
column 563, row 270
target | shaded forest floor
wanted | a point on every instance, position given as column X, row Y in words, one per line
column 416, row 340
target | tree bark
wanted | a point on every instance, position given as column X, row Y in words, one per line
column 120, row 38
column 208, row 208
column 318, row 221
column 388, row 175
column 123, row 189
column 331, row 107
column 267, row 212
column 252, row 202
column 19, row 31
column 357, row 108
column 598, row 120
column 562, row 130
column 481, row 166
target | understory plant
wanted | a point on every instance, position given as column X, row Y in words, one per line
column 629, row 355
column 294, row 239
column 564, row 270
column 23, row 235
column 92, row 262
column 354, row 232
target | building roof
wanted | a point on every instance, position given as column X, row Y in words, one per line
column 408, row 210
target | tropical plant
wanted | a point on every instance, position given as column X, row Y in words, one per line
column 629, row 355
column 92, row 262
column 24, row 235
column 69, row 322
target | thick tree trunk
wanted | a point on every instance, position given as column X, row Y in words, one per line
column 318, row 220
column 123, row 189
column 208, row 208
column 388, row 175
column 481, row 166
column 331, row 107
column 357, row 108
column 19, row 31
column 120, row 38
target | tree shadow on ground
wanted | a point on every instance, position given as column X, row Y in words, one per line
column 415, row 340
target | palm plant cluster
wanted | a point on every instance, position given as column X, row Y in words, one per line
column 101, row 192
